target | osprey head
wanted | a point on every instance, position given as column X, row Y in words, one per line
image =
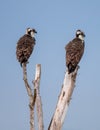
column 30, row 32
column 80, row 34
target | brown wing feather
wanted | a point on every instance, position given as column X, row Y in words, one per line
column 74, row 52
column 24, row 48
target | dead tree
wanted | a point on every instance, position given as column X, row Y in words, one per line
column 63, row 101
column 35, row 99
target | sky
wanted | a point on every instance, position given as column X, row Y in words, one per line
column 56, row 22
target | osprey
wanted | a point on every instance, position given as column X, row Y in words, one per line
column 25, row 46
column 74, row 51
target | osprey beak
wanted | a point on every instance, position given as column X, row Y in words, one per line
column 34, row 31
column 83, row 34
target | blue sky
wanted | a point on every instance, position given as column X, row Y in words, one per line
column 56, row 22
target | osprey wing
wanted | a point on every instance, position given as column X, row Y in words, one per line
column 74, row 52
column 24, row 48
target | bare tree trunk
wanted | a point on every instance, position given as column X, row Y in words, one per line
column 63, row 102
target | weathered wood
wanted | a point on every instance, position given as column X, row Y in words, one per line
column 31, row 97
column 38, row 97
column 63, row 101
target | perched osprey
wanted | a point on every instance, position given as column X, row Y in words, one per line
column 25, row 46
column 74, row 51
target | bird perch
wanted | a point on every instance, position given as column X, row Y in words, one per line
column 34, row 96
column 63, row 101
column 31, row 97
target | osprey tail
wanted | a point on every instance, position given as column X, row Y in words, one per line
column 71, row 68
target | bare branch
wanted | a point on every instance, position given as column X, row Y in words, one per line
column 63, row 102
column 31, row 97
column 28, row 88
column 38, row 97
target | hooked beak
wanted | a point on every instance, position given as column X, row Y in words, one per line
column 83, row 34
column 34, row 31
